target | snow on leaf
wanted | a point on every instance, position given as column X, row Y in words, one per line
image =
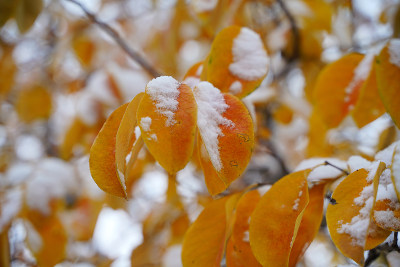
column 226, row 130
column 274, row 223
column 350, row 220
column 167, row 117
column 238, row 61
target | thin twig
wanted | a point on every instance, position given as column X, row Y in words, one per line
column 117, row 38
column 336, row 167
column 295, row 31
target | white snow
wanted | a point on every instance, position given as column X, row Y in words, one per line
column 211, row 106
column 145, row 123
column 34, row 239
column 320, row 170
column 10, row 205
column 250, row 59
column 356, row 162
column 191, row 81
column 394, row 52
column 53, row 178
column 137, row 132
column 29, row 147
column 235, row 88
column 387, row 219
column 357, row 228
column 396, row 167
column 204, row 5
column 246, row 236
column 361, row 73
column 386, row 155
column 164, row 92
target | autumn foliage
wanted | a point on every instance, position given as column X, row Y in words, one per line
column 226, row 133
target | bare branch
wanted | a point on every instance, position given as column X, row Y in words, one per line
column 117, row 38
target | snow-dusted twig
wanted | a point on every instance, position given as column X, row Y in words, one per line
column 117, row 38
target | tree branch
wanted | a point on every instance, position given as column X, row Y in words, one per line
column 295, row 31
column 117, row 38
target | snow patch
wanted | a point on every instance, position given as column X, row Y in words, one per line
column 387, row 219
column 53, row 178
column 235, row 88
column 10, row 205
column 145, row 123
column 394, row 52
column 250, row 60
column 164, row 92
column 211, row 106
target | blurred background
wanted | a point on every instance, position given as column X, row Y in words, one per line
column 62, row 74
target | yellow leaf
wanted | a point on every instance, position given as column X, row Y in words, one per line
column 310, row 223
column 226, row 130
column 33, row 104
column 238, row 251
column 102, row 156
column 26, row 13
column 167, row 119
column 350, row 220
column 283, row 114
column 369, row 106
column 238, row 61
column 51, row 248
column 7, row 8
column 204, row 242
column 276, row 219
column 336, row 89
column 387, row 74
column 7, row 69
column 84, row 49
column 126, row 137
column 318, row 145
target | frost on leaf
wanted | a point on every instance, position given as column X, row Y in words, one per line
column 167, row 119
column 350, row 220
column 227, row 136
column 237, row 62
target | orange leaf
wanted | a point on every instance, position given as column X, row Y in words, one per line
column 204, row 242
column 387, row 74
column 276, row 219
column 310, row 223
column 239, row 252
column 167, row 119
column 126, row 137
column 238, row 61
column 102, row 156
column 47, row 238
column 350, row 220
column 369, row 105
column 337, row 88
column 226, row 130
column 34, row 103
